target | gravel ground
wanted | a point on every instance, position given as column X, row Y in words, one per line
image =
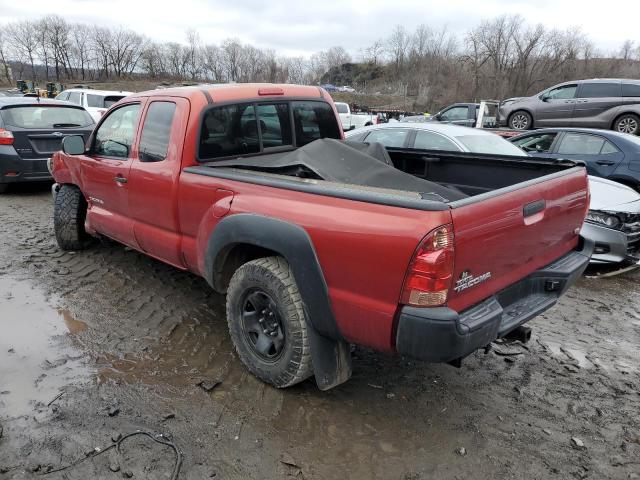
column 106, row 342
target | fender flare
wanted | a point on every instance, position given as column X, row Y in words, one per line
column 330, row 353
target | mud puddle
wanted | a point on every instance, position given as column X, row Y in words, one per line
column 37, row 358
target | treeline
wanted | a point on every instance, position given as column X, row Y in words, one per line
column 52, row 48
column 500, row 57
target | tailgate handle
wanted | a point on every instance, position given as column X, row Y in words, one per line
column 534, row 207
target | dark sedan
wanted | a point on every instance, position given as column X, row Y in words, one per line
column 607, row 154
column 31, row 129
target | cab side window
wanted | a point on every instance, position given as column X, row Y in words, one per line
column 156, row 132
column 115, row 135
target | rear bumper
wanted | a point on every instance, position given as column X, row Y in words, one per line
column 443, row 335
column 14, row 169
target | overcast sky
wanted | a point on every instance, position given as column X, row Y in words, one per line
column 298, row 27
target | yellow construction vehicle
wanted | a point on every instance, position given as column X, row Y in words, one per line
column 54, row 89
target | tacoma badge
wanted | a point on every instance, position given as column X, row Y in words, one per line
column 467, row 280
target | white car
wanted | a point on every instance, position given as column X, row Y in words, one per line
column 96, row 102
column 436, row 136
column 351, row 121
column 347, row 88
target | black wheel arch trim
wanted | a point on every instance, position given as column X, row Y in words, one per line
column 330, row 353
column 291, row 242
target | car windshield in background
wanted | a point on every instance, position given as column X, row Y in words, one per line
column 43, row 117
column 490, row 144
column 98, row 101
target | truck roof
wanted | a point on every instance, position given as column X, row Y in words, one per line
column 239, row 91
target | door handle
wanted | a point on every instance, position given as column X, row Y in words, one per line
column 120, row 179
column 605, row 162
column 534, row 207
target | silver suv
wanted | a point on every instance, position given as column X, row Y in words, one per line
column 598, row 103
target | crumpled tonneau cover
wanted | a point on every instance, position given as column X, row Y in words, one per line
column 344, row 162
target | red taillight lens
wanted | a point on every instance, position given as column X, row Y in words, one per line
column 431, row 269
column 6, row 137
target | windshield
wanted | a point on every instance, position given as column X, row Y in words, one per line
column 491, row 144
column 43, row 117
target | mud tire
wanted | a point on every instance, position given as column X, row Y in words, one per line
column 69, row 213
column 273, row 277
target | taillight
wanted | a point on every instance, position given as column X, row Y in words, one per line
column 431, row 270
column 6, row 137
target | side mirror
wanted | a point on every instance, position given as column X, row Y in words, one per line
column 73, row 145
column 545, row 97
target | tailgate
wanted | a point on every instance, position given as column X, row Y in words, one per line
column 503, row 236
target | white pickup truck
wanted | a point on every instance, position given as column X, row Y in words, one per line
column 351, row 120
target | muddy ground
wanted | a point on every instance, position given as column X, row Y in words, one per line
column 107, row 342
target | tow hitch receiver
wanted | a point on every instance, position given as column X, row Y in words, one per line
column 522, row 334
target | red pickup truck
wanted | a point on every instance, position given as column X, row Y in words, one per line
column 316, row 243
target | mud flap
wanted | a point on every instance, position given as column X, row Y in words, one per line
column 331, row 360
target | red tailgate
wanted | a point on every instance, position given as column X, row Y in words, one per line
column 502, row 239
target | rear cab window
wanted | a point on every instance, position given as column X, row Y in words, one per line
column 46, row 117
column 257, row 127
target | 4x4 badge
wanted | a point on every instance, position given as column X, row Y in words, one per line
column 467, row 280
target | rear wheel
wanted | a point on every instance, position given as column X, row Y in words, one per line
column 69, row 213
column 627, row 123
column 3, row 187
column 520, row 120
column 267, row 322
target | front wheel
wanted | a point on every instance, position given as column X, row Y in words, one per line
column 69, row 213
column 627, row 123
column 267, row 322
column 520, row 120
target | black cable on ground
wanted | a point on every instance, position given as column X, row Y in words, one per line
column 158, row 438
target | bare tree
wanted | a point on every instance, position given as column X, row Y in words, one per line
column 22, row 37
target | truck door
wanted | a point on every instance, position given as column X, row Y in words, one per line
column 105, row 172
column 153, row 179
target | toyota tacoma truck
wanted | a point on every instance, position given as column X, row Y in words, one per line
column 319, row 244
